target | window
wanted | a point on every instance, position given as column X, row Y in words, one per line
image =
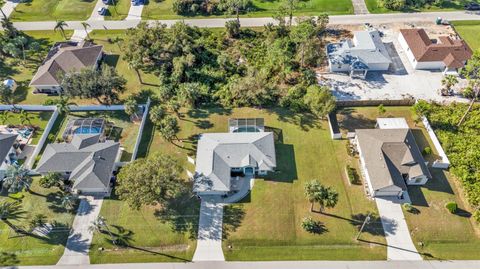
column 418, row 180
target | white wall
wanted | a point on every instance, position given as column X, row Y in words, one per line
column 338, row 67
column 443, row 163
column 378, row 66
column 42, row 140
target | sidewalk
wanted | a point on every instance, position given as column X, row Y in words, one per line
column 400, row 244
column 359, row 7
column 78, row 243
column 209, row 241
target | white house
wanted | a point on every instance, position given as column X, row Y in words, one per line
column 390, row 158
column 444, row 53
column 65, row 57
column 365, row 52
column 8, row 152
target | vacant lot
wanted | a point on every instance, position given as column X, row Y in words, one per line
column 34, row 249
column 266, row 225
column 469, row 31
column 48, row 10
column 163, row 9
column 436, row 233
column 375, row 6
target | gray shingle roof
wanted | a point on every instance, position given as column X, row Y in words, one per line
column 89, row 161
column 66, row 58
column 217, row 153
column 389, row 153
column 6, row 143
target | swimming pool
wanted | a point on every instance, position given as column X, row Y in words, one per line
column 87, row 130
column 249, row 129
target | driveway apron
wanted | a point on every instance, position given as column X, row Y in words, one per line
column 209, row 241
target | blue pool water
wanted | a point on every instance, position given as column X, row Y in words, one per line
column 250, row 129
column 87, row 130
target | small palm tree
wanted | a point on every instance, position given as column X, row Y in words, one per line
column 68, row 200
column 448, row 82
column 10, row 211
column 4, row 116
column 60, row 26
column 328, row 198
column 98, row 225
column 85, row 26
column 17, row 179
column 312, row 190
column 25, row 117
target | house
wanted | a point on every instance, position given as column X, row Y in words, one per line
column 8, row 152
column 65, row 57
column 444, row 53
column 221, row 155
column 390, row 158
column 86, row 161
column 365, row 52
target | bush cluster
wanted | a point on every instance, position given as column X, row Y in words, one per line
column 451, row 207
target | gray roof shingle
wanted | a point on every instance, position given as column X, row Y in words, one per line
column 6, row 143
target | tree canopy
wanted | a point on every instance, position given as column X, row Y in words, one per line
column 150, row 181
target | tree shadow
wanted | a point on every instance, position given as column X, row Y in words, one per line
column 205, row 112
column 55, row 204
column 318, row 228
column 204, row 124
column 8, row 259
column 277, row 134
column 305, row 121
column 146, row 140
column 233, row 216
column 286, row 170
column 373, row 227
column 348, row 120
column 111, row 59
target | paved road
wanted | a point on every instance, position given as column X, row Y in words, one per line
column 251, row 22
column 209, row 240
column 400, row 244
column 78, row 243
column 282, row 265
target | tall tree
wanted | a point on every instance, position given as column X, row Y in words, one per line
column 10, row 211
column 234, row 6
column 472, row 72
column 60, row 26
column 169, row 128
column 85, row 26
column 328, row 197
column 17, row 179
column 290, row 6
column 22, row 41
column 51, row 179
column 319, row 100
column 25, row 117
column 104, row 85
column 98, row 225
column 131, row 107
column 157, row 113
column 63, row 104
column 150, row 181
column 6, row 95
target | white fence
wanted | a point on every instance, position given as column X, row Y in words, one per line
column 443, row 163
column 140, row 131
column 43, row 139
column 334, row 134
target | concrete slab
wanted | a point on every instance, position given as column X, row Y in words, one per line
column 209, row 240
column 135, row 12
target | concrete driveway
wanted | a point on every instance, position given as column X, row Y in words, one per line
column 400, row 245
column 135, row 12
column 80, row 239
column 209, row 240
column 95, row 16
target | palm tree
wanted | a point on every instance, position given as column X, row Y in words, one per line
column 10, row 211
column 68, row 200
column 63, row 104
column 4, row 116
column 61, row 27
column 448, row 82
column 98, row 225
column 85, row 26
column 131, row 107
column 312, row 191
column 17, row 179
column 22, row 41
column 25, row 117
column 328, row 197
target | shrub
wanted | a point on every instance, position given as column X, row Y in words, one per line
column 350, row 149
column 51, row 137
column 233, row 28
column 427, row 151
column 451, row 207
column 352, row 175
column 312, row 226
column 381, row 109
column 393, row 4
column 408, row 207
column 476, row 215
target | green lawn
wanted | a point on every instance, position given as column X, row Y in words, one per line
column 443, row 235
column 374, row 6
column 35, row 250
column 266, row 225
column 47, row 10
column 37, row 119
column 124, row 131
column 22, row 73
column 469, row 31
column 119, row 11
column 163, row 9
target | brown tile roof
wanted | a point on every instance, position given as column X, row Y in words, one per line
column 64, row 58
column 454, row 53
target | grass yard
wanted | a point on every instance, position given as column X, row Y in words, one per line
column 443, row 235
column 47, row 10
column 22, row 73
column 36, row 250
column 163, row 9
column 124, row 131
column 37, row 119
column 469, row 31
column 119, row 11
column 266, row 225
column 374, row 6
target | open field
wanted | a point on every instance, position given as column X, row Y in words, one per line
column 163, row 9
column 374, row 6
column 266, row 225
column 23, row 73
column 48, row 10
column 443, row 235
column 33, row 249
column 469, row 31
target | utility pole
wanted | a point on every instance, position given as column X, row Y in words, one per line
column 367, row 219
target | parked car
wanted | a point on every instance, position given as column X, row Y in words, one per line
column 472, row 6
column 102, row 11
column 137, row 2
column 107, row 2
